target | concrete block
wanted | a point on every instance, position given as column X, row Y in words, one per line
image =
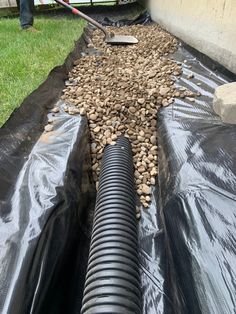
column 224, row 102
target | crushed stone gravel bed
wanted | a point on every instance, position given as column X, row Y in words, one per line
column 121, row 92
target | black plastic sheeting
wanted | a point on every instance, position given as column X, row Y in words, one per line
column 197, row 197
column 144, row 19
column 187, row 237
column 42, row 223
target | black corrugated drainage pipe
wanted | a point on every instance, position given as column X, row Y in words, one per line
column 112, row 282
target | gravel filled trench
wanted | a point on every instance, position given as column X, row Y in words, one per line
column 121, row 92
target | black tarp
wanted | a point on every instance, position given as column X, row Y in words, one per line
column 187, row 237
column 197, row 196
column 144, row 19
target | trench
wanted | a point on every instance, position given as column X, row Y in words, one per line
column 48, row 196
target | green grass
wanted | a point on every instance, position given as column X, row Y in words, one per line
column 27, row 58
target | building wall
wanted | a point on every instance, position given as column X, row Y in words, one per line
column 207, row 25
column 7, row 3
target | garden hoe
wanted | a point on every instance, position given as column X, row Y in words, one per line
column 110, row 38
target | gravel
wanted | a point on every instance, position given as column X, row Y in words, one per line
column 48, row 128
column 121, row 92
